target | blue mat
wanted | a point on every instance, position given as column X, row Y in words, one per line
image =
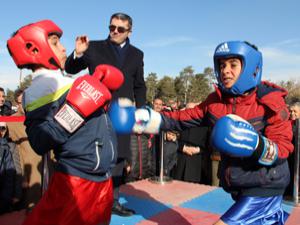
column 144, row 210
column 216, row 201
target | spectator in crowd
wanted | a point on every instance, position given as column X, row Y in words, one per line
column 170, row 147
column 29, row 159
column 17, row 188
column 7, row 171
column 140, row 161
column 5, row 106
column 294, row 111
column 191, row 162
column 294, row 115
column 215, row 159
column 157, row 104
column 154, row 141
column 174, row 104
column 117, row 51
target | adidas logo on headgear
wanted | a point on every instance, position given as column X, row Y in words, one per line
column 223, row 48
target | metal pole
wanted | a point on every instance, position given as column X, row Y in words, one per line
column 296, row 164
column 20, row 78
column 161, row 179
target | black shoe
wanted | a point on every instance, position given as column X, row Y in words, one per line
column 120, row 210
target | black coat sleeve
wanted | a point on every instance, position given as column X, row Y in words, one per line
column 139, row 84
column 74, row 66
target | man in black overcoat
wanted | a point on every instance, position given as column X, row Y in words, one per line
column 116, row 50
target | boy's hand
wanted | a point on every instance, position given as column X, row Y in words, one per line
column 121, row 113
column 126, row 119
column 81, row 44
column 87, row 94
column 234, row 136
column 147, row 121
column 110, row 76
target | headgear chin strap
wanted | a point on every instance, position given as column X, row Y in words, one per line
column 251, row 59
column 29, row 45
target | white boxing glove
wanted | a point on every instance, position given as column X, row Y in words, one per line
column 146, row 121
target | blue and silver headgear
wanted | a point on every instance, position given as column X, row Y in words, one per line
column 251, row 59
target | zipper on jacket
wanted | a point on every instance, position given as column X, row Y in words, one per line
column 97, row 154
column 110, row 142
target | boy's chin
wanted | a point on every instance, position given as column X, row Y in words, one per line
column 62, row 65
column 228, row 86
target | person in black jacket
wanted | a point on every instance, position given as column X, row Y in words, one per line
column 117, row 51
column 5, row 106
column 7, row 171
column 294, row 115
column 140, row 162
column 170, row 148
column 192, row 163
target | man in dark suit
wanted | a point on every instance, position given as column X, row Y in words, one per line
column 117, row 51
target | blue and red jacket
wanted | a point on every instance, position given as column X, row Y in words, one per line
column 266, row 110
column 89, row 152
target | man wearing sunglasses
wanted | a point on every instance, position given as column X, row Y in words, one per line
column 116, row 50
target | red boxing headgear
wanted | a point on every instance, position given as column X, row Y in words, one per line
column 29, row 45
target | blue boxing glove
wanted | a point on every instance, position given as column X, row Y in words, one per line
column 234, row 136
column 126, row 118
column 121, row 113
